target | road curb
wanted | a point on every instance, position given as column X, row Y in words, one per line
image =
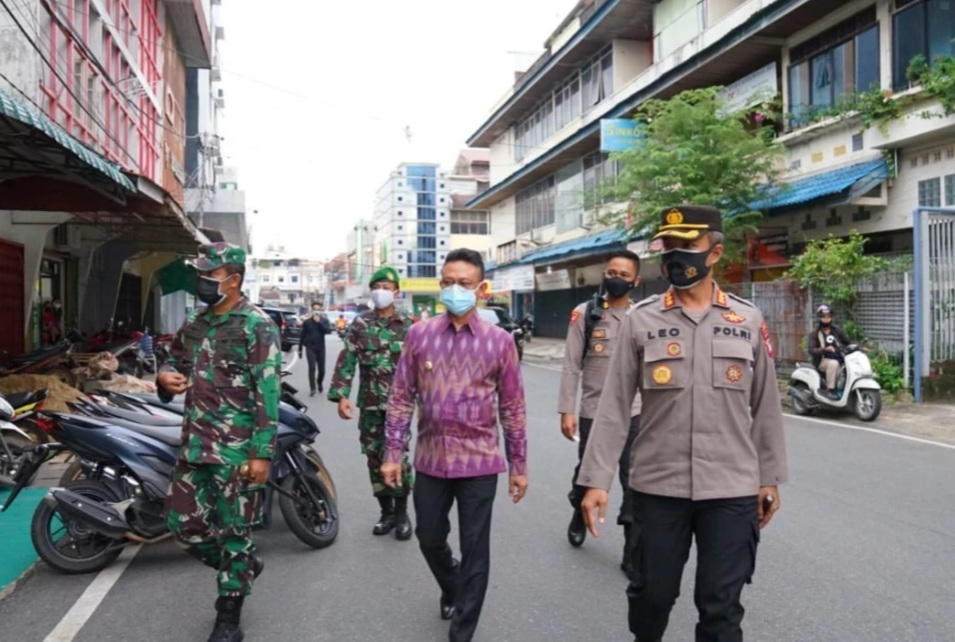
column 10, row 588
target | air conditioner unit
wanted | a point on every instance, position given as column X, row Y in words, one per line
column 67, row 237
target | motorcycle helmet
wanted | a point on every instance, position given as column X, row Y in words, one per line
column 823, row 311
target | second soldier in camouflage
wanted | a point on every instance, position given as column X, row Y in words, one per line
column 226, row 358
column 373, row 345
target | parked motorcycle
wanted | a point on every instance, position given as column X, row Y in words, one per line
column 56, row 360
column 527, row 326
column 25, row 407
column 82, row 526
column 14, row 443
column 856, row 389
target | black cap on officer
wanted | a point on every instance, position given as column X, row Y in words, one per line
column 689, row 222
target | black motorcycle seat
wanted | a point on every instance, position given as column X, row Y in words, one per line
column 177, row 405
column 21, row 399
column 37, row 355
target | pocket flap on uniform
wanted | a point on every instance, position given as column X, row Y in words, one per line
column 663, row 349
column 729, row 349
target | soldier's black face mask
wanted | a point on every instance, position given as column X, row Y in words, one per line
column 617, row 287
column 209, row 290
column 685, row 268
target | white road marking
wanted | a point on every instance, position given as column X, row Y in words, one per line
column 84, row 608
column 887, row 433
column 827, row 422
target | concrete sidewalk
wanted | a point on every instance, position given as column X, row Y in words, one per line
column 924, row 421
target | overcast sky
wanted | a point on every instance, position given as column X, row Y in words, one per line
column 318, row 96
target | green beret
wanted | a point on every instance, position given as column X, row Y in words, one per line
column 385, row 274
column 215, row 255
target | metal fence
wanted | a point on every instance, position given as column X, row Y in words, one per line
column 884, row 314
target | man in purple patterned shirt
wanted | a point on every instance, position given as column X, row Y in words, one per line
column 462, row 372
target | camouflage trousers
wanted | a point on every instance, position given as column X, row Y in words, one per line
column 211, row 510
column 371, row 427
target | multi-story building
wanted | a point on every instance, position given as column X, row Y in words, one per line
column 471, row 176
column 412, row 229
column 609, row 56
column 277, row 278
column 91, row 122
column 214, row 200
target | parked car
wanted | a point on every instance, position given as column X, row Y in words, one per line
column 290, row 325
column 499, row 316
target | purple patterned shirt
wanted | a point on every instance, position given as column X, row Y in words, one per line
column 461, row 379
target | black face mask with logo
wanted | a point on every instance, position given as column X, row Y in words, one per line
column 617, row 287
column 685, row 268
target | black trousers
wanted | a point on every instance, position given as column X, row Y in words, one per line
column 465, row 585
column 316, row 358
column 624, row 518
column 727, row 534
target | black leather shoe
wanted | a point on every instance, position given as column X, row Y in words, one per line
column 321, row 388
column 226, row 632
column 447, row 608
column 403, row 530
column 385, row 524
column 311, row 394
column 577, row 530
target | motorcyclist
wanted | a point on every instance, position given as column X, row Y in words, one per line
column 824, row 345
column 341, row 324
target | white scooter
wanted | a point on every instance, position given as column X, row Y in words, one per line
column 856, row 387
column 13, row 442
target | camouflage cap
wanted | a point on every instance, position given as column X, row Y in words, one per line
column 385, row 274
column 215, row 255
column 689, row 222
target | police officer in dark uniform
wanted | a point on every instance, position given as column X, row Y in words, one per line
column 710, row 451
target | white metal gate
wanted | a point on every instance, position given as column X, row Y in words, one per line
column 934, row 236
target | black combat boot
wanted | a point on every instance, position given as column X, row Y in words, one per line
column 577, row 530
column 386, row 523
column 227, row 627
column 402, row 521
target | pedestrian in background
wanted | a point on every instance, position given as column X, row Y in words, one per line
column 593, row 334
column 461, row 370
column 373, row 345
column 227, row 359
column 710, row 452
column 312, row 343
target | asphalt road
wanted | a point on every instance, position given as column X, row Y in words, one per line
column 862, row 550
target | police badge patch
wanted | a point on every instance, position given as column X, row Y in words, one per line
column 673, row 349
column 662, row 375
column 734, row 374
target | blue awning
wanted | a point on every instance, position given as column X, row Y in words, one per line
column 840, row 185
column 585, row 246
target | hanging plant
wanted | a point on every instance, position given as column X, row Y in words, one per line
column 937, row 80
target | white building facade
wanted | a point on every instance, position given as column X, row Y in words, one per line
column 276, row 278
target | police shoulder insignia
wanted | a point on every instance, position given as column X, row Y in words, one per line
column 674, row 349
column 662, row 375
column 732, row 317
column 767, row 340
column 574, row 316
column 721, row 299
column 734, row 373
column 669, row 300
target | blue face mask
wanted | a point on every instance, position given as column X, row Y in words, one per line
column 458, row 300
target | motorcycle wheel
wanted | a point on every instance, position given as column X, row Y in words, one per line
column 799, row 406
column 321, row 470
column 68, row 546
column 867, row 404
column 17, row 446
column 314, row 525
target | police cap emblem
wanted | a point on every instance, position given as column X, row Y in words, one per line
column 674, row 217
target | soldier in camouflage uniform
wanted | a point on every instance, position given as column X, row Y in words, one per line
column 373, row 344
column 227, row 359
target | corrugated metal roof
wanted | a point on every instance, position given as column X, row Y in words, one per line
column 584, row 246
column 836, row 182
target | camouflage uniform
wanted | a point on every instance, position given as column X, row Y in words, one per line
column 233, row 363
column 373, row 344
